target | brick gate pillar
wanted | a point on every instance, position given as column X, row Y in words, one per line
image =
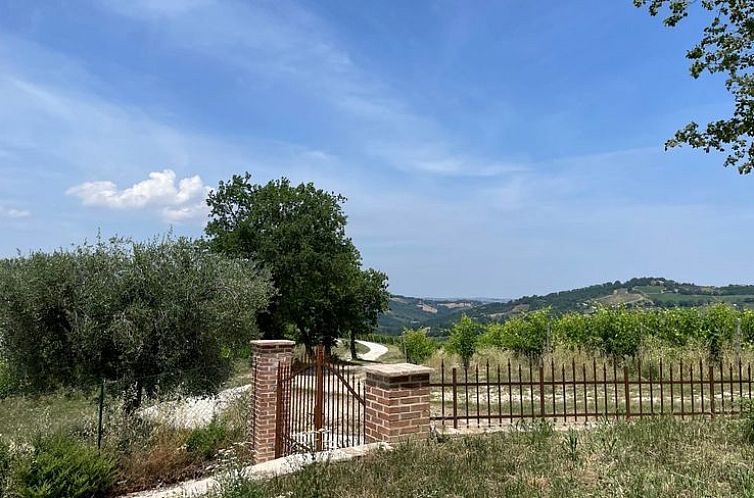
column 265, row 358
column 397, row 402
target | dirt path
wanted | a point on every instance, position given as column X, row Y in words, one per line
column 375, row 351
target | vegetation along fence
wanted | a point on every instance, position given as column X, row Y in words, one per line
column 503, row 394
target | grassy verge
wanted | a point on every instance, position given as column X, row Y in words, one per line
column 145, row 450
column 394, row 354
column 651, row 458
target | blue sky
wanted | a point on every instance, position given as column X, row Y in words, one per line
column 486, row 148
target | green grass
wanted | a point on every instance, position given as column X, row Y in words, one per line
column 394, row 354
column 651, row 458
column 23, row 417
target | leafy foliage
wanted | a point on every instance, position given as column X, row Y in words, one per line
column 298, row 232
column 61, row 467
column 726, row 47
column 620, row 331
column 145, row 314
column 526, row 334
column 464, row 338
column 418, row 346
column 205, row 441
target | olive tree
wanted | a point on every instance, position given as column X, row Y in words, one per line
column 153, row 315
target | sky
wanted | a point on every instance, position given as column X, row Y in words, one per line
column 491, row 149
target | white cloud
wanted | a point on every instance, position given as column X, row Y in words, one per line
column 13, row 213
column 177, row 202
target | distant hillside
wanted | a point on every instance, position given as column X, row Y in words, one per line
column 414, row 312
column 639, row 292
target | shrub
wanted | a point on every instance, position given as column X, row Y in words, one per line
column 418, row 346
column 61, row 467
column 205, row 441
column 525, row 334
column 464, row 338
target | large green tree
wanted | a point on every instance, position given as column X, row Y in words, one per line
column 726, row 47
column 363, row 299
column 298, row 232
column 153, row 316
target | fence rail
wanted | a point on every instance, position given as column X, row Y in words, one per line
column 500, row 394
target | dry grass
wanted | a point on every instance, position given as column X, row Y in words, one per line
column 652, row 458
column 651, row 353
column 148, row 453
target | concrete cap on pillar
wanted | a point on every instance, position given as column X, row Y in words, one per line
column 265, row 343
column 397, row 370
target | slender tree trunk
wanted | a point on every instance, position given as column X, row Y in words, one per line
column 353, row 345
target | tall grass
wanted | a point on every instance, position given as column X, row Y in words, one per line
column 657, row 458
column 651, row 351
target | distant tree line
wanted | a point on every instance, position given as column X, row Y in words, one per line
column 616, row 332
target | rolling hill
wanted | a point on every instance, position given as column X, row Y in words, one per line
column 411, row 312
column 439, row 315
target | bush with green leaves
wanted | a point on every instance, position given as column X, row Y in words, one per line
column 155, row 315
column 464, row 338
column 205, row 441
column 620, row 332
column 525, row 334
column 418, row 345
column 62, row 467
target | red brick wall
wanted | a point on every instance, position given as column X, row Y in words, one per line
column 397, row 402
column 266, row 356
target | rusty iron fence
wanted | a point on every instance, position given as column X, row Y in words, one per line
column 571, row 392
column 320, row 406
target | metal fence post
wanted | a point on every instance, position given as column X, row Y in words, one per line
column 711, row 373
column 455, row 399
column 100, row 412
column 542, row 390
column 319, row 397
column 626, row 391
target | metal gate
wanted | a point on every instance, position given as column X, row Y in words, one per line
column 320, row 406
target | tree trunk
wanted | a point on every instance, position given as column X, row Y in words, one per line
column 353, row 345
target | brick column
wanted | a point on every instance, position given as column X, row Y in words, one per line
column 397, row 402
column 265, row 357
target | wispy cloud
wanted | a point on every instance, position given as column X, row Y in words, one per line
column 179, row 201
column 13, row 213
column 283, row 42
